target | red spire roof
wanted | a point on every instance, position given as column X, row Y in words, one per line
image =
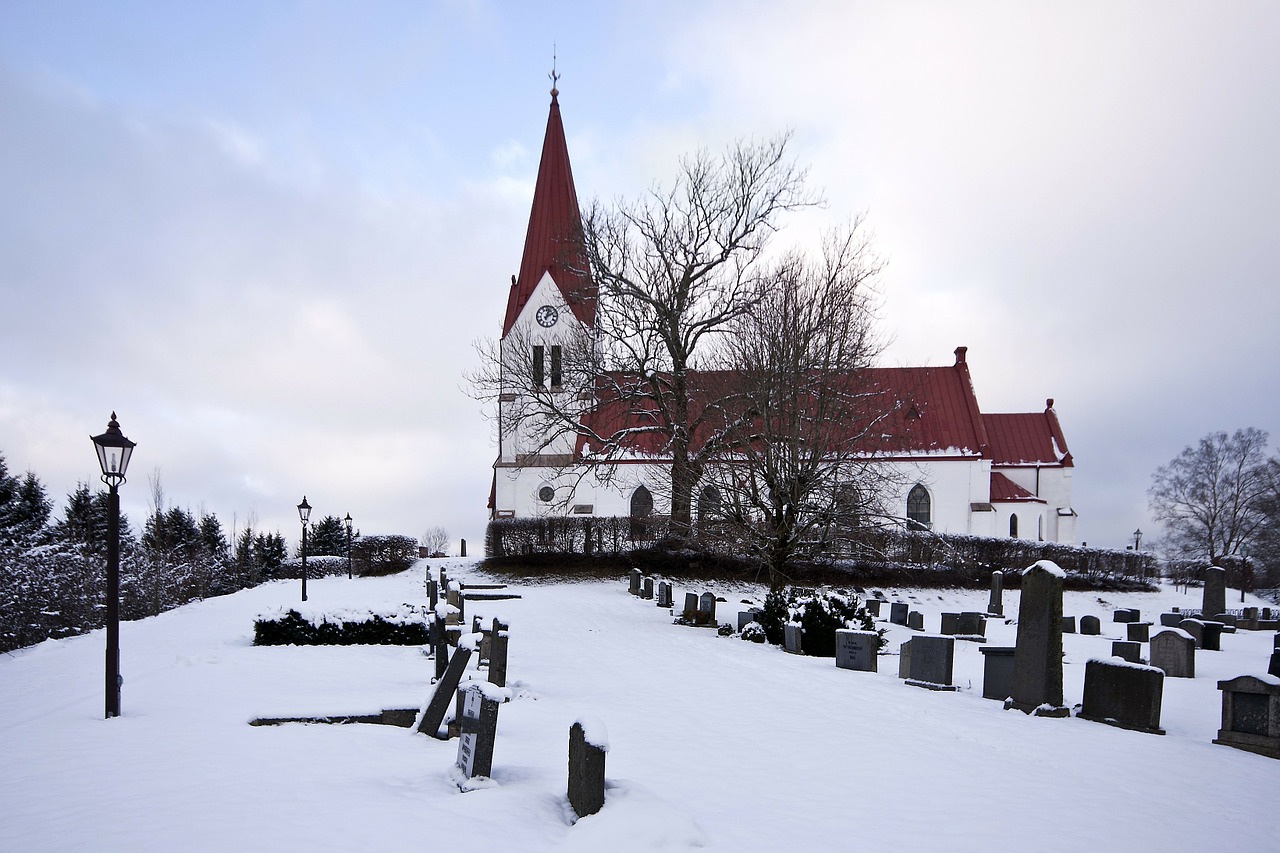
column 553, row 241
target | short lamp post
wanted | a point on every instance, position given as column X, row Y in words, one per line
column 348, row 523
column 304, row 513
column 114, row 451
column 1137, row 539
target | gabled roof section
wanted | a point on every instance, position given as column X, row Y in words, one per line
column 1005, row 491
column 1033, row 438
column 553, row 242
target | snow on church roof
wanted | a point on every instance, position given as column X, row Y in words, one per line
column 1034, row 438
column 553, row 242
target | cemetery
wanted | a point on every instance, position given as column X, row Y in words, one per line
column 504, row 715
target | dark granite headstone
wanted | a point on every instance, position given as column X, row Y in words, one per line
column 479, row 731
column 1174, row 651
column 445, row 689
column 1195, row 628
column 995, row 604
column 1215, row 591
column 690, row 605
column 586, row 768
column 857, row 650
column 915, row 620
column 646, row 590
column 793, row 638
column 707, row 609
column 873, row 606
column 1211, row 636
column 1250, row 715
column 1068, row 624
column 1123, row 694
column 1170, row 620
column 997, row 672
column 746, row 617
column 898, row 612
column 928, row 660
column 1090, row 625
column 498, row 659
column 1037, row 678
column 633, row 581
column 1131, row 652
column 1139, row 632
column 664, row 594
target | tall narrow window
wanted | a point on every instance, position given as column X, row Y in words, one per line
column 555, row 366
column 1013, row 526
column 538, row 376
column 919, row 508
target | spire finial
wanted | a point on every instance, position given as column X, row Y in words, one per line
column 555, row 77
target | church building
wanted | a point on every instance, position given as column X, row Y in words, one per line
column 957, row 469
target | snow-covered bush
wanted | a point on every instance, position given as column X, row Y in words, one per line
column 403, row 627
column 820, row 612
column 753, row 632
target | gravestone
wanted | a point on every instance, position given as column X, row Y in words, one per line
column 633, row 581
column 950, row 624
column 1250, row 715
column 646, row 591
column 664, row 594
column 968, row 625
column 857, row 649
column 746, row 617
column 690, row 605
column 498, row 657
column 873, row 606
column 1126, row 614
column 1226, row 619
column 441, row 653
column 793, row 638
column 1195, row 628
column 1127, row 695
column 898, row 612
column 997, row 672
column 1037, row 675
column 1139, row 632
column 479, row 724
column 915, row 620
column 458, row 609
column 1170, row 620
column 462, row 552
column 1090, row 625
column 433, row 593
column 446, row 687
column 1211, row 635
column 1131, row 652
column 927, row 661
column 995, row 605
column 707, row 610
column 588, row 744
column 1248, row 619
column 1068, row 624
column 1274, row 667
column 1215, row 591
column 1174, row 651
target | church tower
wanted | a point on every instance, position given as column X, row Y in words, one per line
column 548, row 325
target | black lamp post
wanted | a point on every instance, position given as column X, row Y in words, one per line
column 1137, row 539
column 114, row 451
column 304, row 513
column 348, row 521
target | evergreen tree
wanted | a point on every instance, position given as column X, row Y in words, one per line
column 327, row 538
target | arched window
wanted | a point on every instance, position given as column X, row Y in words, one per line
column 710, row 506
column 641, row 509
column 1013, row 526
column 919, row 508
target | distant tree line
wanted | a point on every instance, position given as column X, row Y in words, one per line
column 53, row 570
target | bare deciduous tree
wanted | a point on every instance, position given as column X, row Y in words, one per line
column 436, row 540
column 1210, row 497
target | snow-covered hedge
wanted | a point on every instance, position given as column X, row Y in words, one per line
column 281, row 626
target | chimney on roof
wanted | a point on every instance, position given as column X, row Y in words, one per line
column 1048, row 404
column 960, row 354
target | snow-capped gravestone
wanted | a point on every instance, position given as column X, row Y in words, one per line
column 646, row 590
column 1138, row 632
column 995, row 605
column 479, row 725
column 857, row 649
column 1173, row 650
column 1126, row 614
column 926, row 661
column 968, row 625
column 634, row 581
column 1215, row 591
column 441, row 651
column 1125, row 694
column 898, row 611
column 1037, row 665
column 1090, row 626
column 498, row 655
column 1170, row 620
column 588, row 744
column 915, row 620
column 1211, row 635
column 793, row 638
column 664, row 593
column 707, row 609
column 1195, row 628
column 746, row 617
column 690, row 605
column 1131, row 652
column 873, row 606
column 1251, row 714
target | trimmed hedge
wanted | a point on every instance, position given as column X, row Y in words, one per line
column 294, row 629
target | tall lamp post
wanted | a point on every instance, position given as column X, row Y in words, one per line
column 114, row 451
column 348, row 521
column 304, row 513
column 1137, row 539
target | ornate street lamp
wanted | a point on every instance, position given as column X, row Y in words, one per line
column 114, row 451
column 1137, row 539
column 304, row 513
column 348, row 521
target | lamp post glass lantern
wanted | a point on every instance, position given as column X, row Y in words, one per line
column 348, row 523
column 304, row 513
column 114, row 452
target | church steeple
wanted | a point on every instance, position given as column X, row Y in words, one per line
column 553, row 241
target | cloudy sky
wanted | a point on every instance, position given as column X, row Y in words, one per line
column 267, row 235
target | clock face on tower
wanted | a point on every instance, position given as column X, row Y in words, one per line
column 547, row 316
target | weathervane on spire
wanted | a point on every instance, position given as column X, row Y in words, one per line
column 553, row 75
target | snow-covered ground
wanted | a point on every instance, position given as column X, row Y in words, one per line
column 715, row 743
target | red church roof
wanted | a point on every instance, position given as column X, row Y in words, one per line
column 1033, row 438
column 1004, row 490
column 553, row 241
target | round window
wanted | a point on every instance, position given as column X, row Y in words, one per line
column 546, row 494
